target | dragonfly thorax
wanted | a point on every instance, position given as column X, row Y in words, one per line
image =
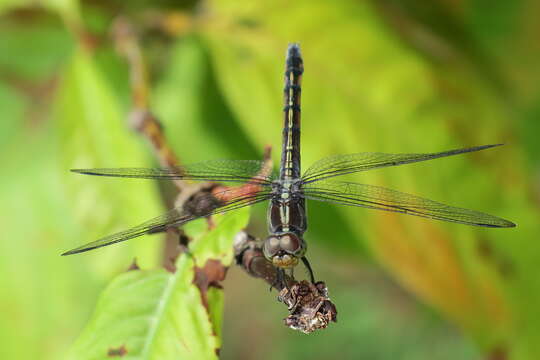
column 284, row 250
column 286, row 187
column 287, row 211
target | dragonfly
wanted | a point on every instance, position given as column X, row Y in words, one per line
column 287, row 190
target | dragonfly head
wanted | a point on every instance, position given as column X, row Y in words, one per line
column 284, row 250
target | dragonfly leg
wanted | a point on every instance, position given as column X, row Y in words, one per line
column 279, row 283
column 183, row 242
column 282, row 279
column 309, row 269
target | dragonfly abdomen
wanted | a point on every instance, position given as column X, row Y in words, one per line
column 290, row 154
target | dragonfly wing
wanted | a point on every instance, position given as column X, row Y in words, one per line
column 205, row 205
column 376, row 197
column 346, row 164
column 213, row 170
column 153, row 225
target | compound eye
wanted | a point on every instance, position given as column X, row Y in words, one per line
column 290, row 243
column 271, row 246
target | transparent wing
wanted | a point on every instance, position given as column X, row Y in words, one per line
column 204, row 205
column 376, row 197
column 351, row 163
column 213, row 170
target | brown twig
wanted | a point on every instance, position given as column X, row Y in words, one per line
column 141, row 118
column 309, row 306
column 145, row 123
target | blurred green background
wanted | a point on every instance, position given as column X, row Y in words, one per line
column 385, row 75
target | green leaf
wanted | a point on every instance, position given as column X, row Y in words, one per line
column 93, row 132
column 160, row 315
column 46, row 209
column 7, row 5
column 188, row 102
column 33, row 51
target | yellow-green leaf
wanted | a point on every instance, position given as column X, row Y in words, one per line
column 154, row 314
